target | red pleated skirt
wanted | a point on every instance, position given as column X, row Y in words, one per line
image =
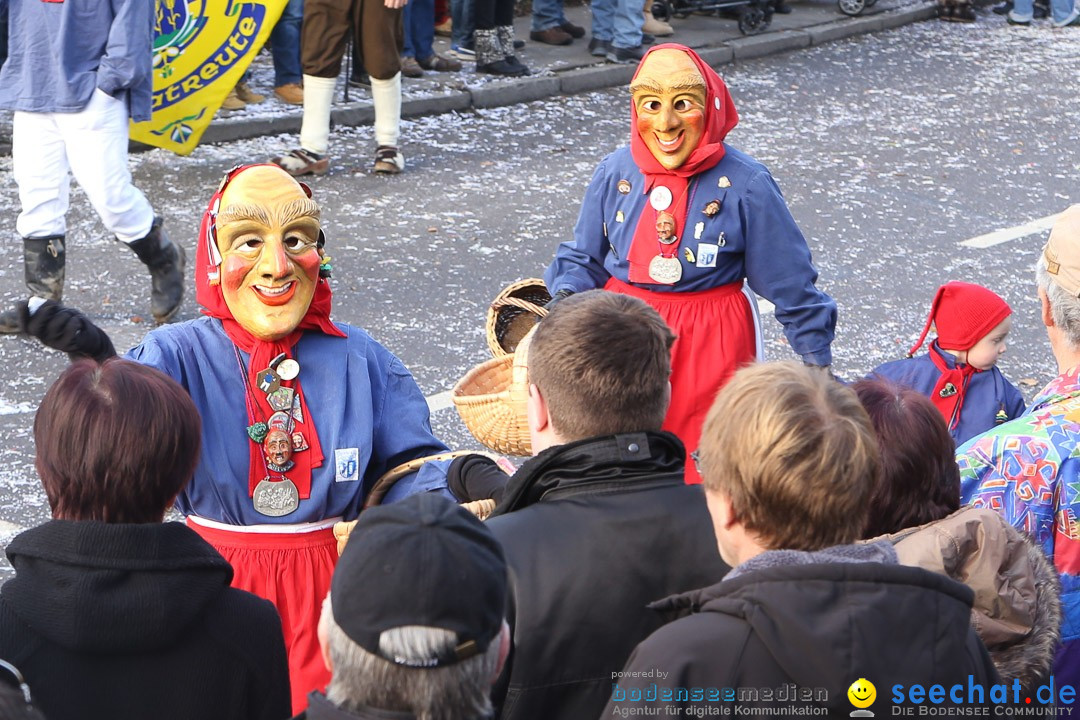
column 716, row 334
column 292, row 571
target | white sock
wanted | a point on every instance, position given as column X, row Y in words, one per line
column 386, row 96
column 315, row 128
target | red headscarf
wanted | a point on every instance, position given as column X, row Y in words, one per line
column 963, row 314
column 208, row 294
column 720, row 118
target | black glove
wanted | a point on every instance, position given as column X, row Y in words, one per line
column 475, row 477
column 557, row 298
column 66, row 329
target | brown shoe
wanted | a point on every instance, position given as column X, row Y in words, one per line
column 291, row 94
column 575, row 31
column 389, row 160
column 438, row 63
column 233, row 102
column 248, row 95
column 300, row 162
column 410, row 68
column 551, row 36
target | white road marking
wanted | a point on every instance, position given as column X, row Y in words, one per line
column 1005, row 235
column 10, row 528
column 439, row 401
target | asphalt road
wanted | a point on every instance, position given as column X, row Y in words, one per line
column 892, row 150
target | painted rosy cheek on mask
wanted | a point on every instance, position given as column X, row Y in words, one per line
column 234, row 269
column 309, row 263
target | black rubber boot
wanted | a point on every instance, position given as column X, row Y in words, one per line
column 43, row 265
column 165, row 261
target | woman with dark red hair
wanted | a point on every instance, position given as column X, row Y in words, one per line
column 111, row 612
column 682, row 220
column 916, row 505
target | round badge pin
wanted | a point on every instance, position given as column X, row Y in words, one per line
column 660, row 198
column 624, row 187
column 288, row 369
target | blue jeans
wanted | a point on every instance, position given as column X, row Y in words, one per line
column 547, row 14
column 1060, row 10
column 461, row 18
column 419, row 22
column 285, row 44
column 619, row 21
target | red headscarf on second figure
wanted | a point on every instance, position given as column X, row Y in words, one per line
column 208, row 294
column 720, row 118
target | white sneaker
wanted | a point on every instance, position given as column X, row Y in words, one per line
column 462, row 53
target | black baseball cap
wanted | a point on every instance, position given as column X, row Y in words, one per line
column 421, row 561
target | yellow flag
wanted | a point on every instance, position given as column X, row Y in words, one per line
column 201, row 50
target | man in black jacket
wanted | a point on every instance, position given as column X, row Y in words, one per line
column 805, row 617
column 600, row 523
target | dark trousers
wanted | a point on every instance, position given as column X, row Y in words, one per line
column 328, row 25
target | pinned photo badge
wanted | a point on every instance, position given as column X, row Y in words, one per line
column 712, row 208
column 624, row 187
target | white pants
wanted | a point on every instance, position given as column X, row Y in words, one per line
column 93, row 145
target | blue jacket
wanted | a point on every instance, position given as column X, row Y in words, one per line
column 761, row 244
column 987, row 393
column 368, row 410
column 59, row 52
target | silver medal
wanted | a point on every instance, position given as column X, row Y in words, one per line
column 665, row 270
column 275, row 498
column 288, row 369
column 660, row 198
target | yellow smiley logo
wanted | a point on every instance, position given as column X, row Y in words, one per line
column 862, row 693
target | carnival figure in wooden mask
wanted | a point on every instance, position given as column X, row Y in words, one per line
column 692, row 225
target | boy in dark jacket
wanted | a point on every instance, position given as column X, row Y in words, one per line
column 805, row 615
column 599, row 523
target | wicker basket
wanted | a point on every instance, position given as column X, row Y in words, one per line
column 480, row 508
column 513, row 313
column 491, row 400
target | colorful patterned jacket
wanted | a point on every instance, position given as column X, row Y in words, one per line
column 1028, row 470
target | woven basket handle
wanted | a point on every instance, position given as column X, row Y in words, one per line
column 519, row 303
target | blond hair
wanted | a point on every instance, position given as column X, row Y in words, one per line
column 795, row 452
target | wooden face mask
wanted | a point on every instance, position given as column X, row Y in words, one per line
column 669, row 97
column 267, row 234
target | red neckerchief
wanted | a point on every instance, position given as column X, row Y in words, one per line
column 208, row 294
column 710, row 150
column 952, row 402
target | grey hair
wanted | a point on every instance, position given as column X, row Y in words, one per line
column 454, row 692
column 1064, row 307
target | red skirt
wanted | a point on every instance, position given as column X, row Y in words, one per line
column 716, row 334
column 292, row 571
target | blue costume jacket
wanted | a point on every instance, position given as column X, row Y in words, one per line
column 987, row 393
column 752, row 237
column 368, row 410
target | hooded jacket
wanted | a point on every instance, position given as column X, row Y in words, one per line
column 818, row 621
column 1017, row 611
column 593, row 531
column 138, row 621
